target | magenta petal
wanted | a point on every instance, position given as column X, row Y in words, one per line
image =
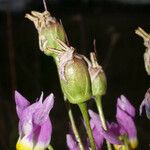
column 43, row 133
column 125, row 105
column 126, row 122
column 43, row 112
column 21, row 103
column 112, row 134
column 71, row 143
column 96, row 129
column 117, row 130
column 98, row 138
column 95, row 120
column 48, row 103
column 26, row 120
column 109, row 135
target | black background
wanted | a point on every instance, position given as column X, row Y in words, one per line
column 26, row 69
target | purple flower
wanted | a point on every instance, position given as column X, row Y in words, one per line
column 146, row 103
column 125, row 120
column 99, row 133
column 35, row 127
column 124, row 127
column 96, row 130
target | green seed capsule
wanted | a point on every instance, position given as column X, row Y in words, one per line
column 74, row 76
column 76, row 85
column 98, row 83
column 97, row 75
column 49, row 29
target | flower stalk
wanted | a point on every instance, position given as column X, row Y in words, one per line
column 98, row 101
column 83, row 109
column 99, row 85
column 73, row 125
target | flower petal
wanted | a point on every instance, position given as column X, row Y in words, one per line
column 117, row 130
column 21, row 103
column 126, row 122
column 125, row 105
column 98, row 138
column 71, row 143
column 42, row 135
column 26, row 125
column 109, row 135
column 95, row 120
column 43, row 113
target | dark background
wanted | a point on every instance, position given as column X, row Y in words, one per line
column 26, row 69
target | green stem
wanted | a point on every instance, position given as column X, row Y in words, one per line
column 102, row 117
column 71, row 118
column 83, row 109
column 74, row 128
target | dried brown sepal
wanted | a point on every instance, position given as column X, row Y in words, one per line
column 41, row 20
column 49, row 29
column 139, row 31
column 146, row 38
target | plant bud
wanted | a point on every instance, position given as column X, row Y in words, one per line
column 74, row 76
column 97, row 75
column 49, row 29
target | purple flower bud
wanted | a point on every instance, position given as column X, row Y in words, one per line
column 126, row 122
column 35, row 127
column 125, row 106
column 125, row 118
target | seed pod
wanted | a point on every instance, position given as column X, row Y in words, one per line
column 74, row 75
column 49, row 29
column 97, row 75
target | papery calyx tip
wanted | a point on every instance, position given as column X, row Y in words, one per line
column 41, row 97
